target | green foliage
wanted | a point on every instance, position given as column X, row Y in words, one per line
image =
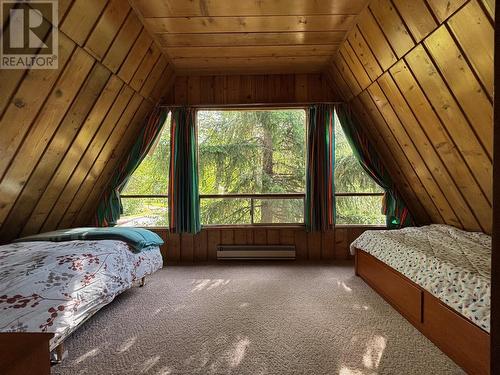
column 251, row 152
column 150, row 178
column 350, row 177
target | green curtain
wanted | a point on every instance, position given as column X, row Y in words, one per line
column 394, row 207
column 110, row 206
column 320, row 200
column 183, row 191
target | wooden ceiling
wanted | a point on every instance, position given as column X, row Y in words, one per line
column 248, row 36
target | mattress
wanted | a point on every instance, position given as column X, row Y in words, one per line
column 54, row 287
column 451, row 264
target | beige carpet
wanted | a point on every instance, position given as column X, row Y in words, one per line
column 252, row 318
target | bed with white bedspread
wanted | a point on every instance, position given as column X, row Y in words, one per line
column 55, row 286
column 451, row 264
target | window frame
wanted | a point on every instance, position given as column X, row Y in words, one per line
column 252, row 197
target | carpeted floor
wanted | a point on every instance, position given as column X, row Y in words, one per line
column 252, row 318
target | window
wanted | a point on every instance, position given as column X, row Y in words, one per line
column 251, row 171
column 144, row 198
column 252, row 166
column 358, row 197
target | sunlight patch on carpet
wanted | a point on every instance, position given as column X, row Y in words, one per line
column 374, row 351
column 149, row 363
column 127, row 344
column 208, row 284
column 239, row 351
column 89, row 354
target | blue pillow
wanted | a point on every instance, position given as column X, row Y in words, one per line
column 137, row 238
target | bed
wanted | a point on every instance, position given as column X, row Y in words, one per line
column 54, row 287
column 438, row 277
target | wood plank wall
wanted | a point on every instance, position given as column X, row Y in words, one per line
column 248, row 89
column 419, row 76
column 202, row 247
column 64, row 130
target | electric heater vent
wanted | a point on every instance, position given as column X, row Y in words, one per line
column 227, row 252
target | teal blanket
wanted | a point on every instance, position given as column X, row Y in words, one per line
column 137, row 238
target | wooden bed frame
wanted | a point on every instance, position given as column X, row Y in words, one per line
column 29, row 352
column 24, row 353
column 464, row 342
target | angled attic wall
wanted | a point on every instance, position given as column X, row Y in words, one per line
column 419, row 76
column 62, row 131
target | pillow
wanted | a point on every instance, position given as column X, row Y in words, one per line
column 137, row 238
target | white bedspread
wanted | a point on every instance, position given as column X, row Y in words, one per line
column 53, row 287
column 452, row 264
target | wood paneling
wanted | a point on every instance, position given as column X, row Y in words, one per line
column 243, row 51
column 417, row 17
column 288, row 39
column 201, row 27
column 63, row 130
column 240, row 89
column 419, row 74
column 223, row 8
column 250, row 24
column 443, row 9
column 251, row 65
column 186, row 248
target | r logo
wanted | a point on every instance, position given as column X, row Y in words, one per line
column 17, row 22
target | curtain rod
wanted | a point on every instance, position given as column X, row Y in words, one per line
column 246, row 105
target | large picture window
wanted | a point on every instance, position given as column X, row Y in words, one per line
column 252, row 166
column 251, row 171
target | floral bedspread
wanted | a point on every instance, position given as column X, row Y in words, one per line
column 452, row 264
column 53, row 287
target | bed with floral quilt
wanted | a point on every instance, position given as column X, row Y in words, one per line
column 48, row 286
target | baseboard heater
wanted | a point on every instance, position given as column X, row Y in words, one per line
column 231, row 252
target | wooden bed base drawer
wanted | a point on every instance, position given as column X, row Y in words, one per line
column 464, row 342
column 461, row 340
column 25, row 353
column 398, row 291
